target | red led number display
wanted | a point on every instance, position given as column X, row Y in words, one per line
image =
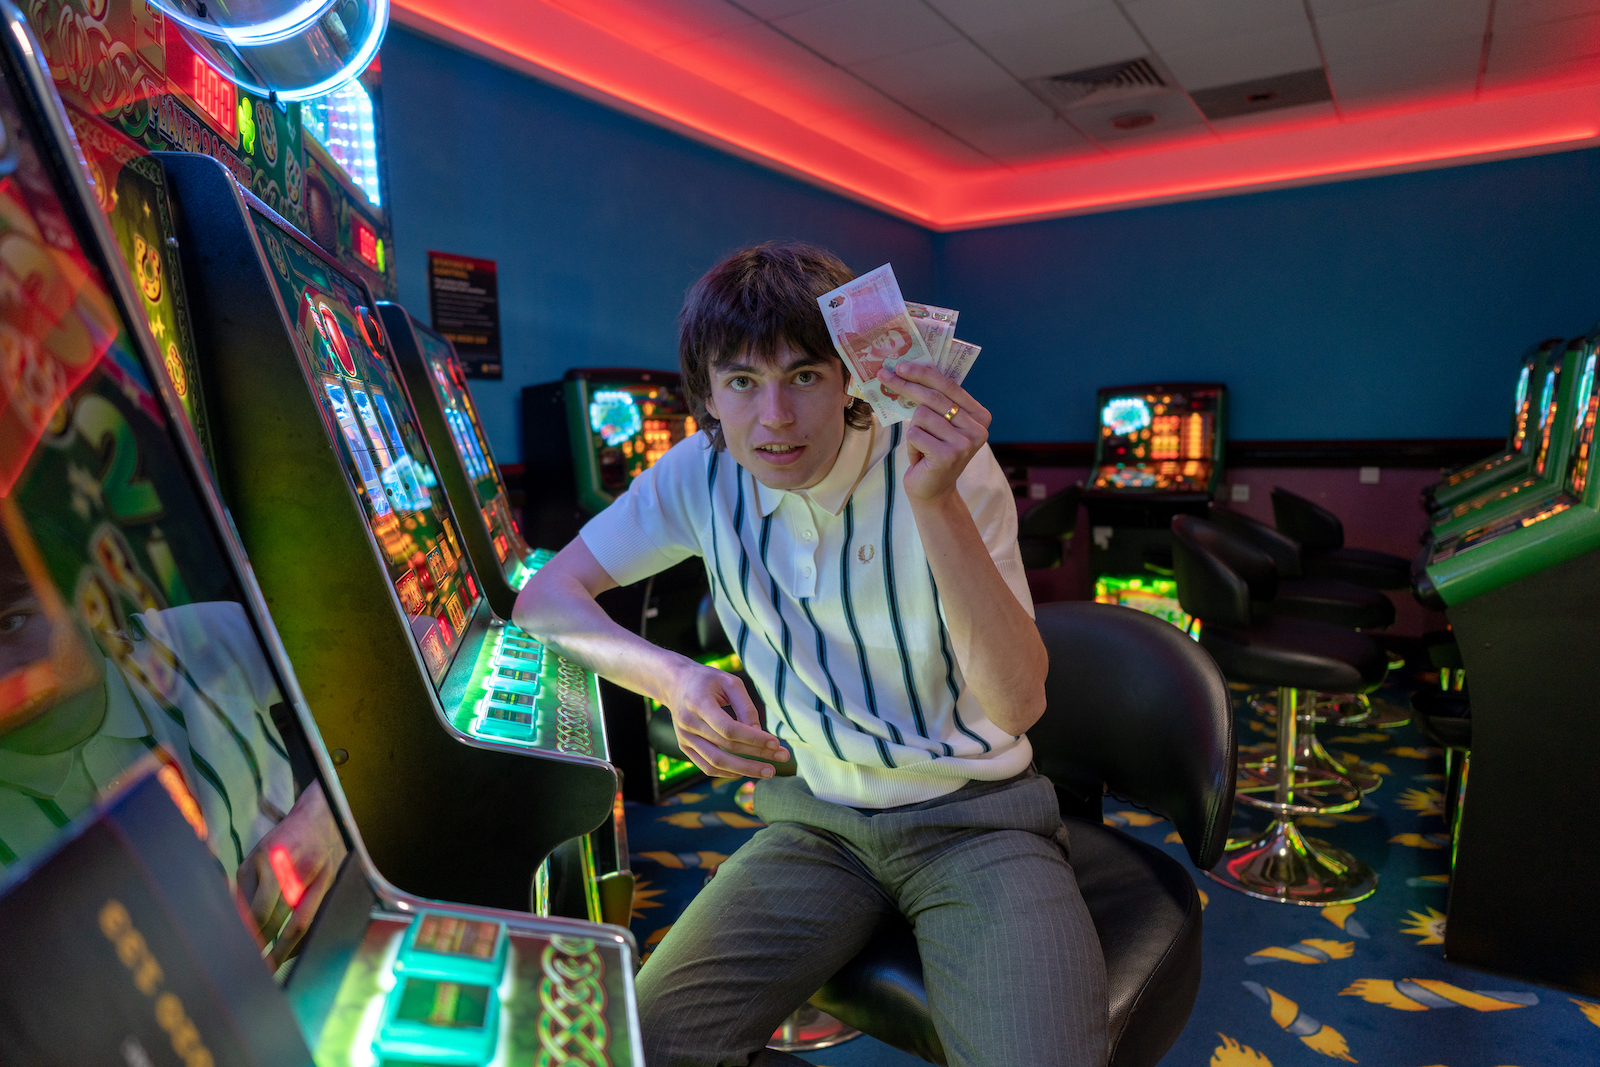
column 365, row 241
column 215, row 95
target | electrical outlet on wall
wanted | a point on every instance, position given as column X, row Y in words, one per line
column 1369, row 475
column 1038, row 490
column 1239, row 493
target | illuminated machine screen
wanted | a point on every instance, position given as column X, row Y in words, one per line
column 472, row 445
column 630, row 425
column 1574, row 484
column 368, row 416
column 1163, row 437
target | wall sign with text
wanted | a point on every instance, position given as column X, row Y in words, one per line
column 464, row 304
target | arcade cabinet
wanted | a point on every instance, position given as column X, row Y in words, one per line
column 1158, row 453
column 469, row 753
column 143, row 641
column 1512, row 461
column 449, row 420
column 1550, row 433
column 584, row 440
column 1520, row 589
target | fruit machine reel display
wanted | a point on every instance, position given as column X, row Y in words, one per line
column 1158, row 453
column 204, row 823
column 1549, row 439
column 1512, row 461
column 585, row 438
column 1520, row 589
column 468, row 753
column 438, row 385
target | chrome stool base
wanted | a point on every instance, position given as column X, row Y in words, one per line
column 1317, row 791
column 810, row 1028
column 1279, row 864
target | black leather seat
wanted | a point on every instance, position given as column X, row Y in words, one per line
column 1044, row 526
column 1138, row 709
column 1321, row 537
column 1220, row 579
column 1321, row 599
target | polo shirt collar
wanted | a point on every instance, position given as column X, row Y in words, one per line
column 831, row 493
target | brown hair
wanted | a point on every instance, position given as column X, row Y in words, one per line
column 754, row 301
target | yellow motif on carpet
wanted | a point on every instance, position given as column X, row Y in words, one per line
column 1422, row 801
column 1314, row 1034
column 1429, row 927
column 1311, row 950
column 1424, row 994
column 694, row 820
column 1232, row 1054
column 1340, row 916
column 1411, row 752
column 1131, row 818
column 709, row 861
column 1420, row 840
column 1590, row 1010
column 644, row 897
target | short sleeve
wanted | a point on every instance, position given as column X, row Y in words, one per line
column 984, row 487
column 653, row 524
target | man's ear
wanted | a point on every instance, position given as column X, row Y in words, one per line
column 711, row 407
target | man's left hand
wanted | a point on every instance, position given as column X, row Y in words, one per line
column 940, row 448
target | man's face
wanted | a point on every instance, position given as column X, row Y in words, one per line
column 783, row 419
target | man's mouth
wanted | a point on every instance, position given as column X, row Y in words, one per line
column 780, row 454
column 778, row 449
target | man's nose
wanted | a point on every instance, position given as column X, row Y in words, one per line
column 775, row 407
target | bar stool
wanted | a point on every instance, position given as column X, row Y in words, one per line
column 1326, row 600
column 1278, row 864
column 1444, row 716
column 1333, row 600
column 1321, row 537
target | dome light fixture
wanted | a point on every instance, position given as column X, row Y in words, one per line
column 291, row 49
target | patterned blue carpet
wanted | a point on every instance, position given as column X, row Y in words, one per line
column 1283, row 985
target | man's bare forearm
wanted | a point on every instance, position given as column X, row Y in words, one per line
column 558, row 607
column 1004, row 660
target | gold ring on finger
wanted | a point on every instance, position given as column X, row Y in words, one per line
column 951, row 413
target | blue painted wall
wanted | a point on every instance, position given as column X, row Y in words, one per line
column 599, row 222
column 1386, row 307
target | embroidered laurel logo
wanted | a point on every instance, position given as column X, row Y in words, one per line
column 864, row 554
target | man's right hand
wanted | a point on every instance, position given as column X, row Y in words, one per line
column 717, row 724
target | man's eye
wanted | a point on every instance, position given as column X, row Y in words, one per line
column 805, row 377
column 739, row 384
column 11, row 622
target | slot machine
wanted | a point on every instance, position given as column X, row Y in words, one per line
column 449, row 420
column 468, row 752
column 1512, row 461
column 1158, row 452
column 585, row 438
column 142, row 670
column 1520, row 589
column 1549, row 436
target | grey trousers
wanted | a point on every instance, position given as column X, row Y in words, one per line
column 1009, row 954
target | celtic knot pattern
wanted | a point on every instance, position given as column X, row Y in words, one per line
column 572, row 713
column 572, row 1026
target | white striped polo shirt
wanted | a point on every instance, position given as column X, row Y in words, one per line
column 828, row 598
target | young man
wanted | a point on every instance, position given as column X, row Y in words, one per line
column 871, row 581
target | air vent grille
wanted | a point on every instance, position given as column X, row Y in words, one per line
column 1131, row 76
column 1131, row 80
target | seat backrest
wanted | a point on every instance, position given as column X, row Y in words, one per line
column 1284, row 550
column 1218, row 574
column 1314, row 526
column 1054, row 516
column 1137, row 707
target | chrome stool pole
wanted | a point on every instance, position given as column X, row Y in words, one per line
column 1279, row 863
column 809, row 1028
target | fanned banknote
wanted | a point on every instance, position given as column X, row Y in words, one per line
column 871, row 329
column 937, row 326
column 959, row 360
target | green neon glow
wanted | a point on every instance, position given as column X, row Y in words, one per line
column 1153, row 596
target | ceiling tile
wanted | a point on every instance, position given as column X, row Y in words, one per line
column 855, row 31
column 1528, row 12
column 777, row 9
column 955, row 69
column 1259, row 95
column 1293, row 117
column 999, row 107
column 1030, row 141
column 999, row 17
column 1407, row 24
column 1173, row 24
column 1060, row 41
column 1243, row 57
column 1528, row 53
column 1172, row 112
column 1443, row 68
column 754, row 55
